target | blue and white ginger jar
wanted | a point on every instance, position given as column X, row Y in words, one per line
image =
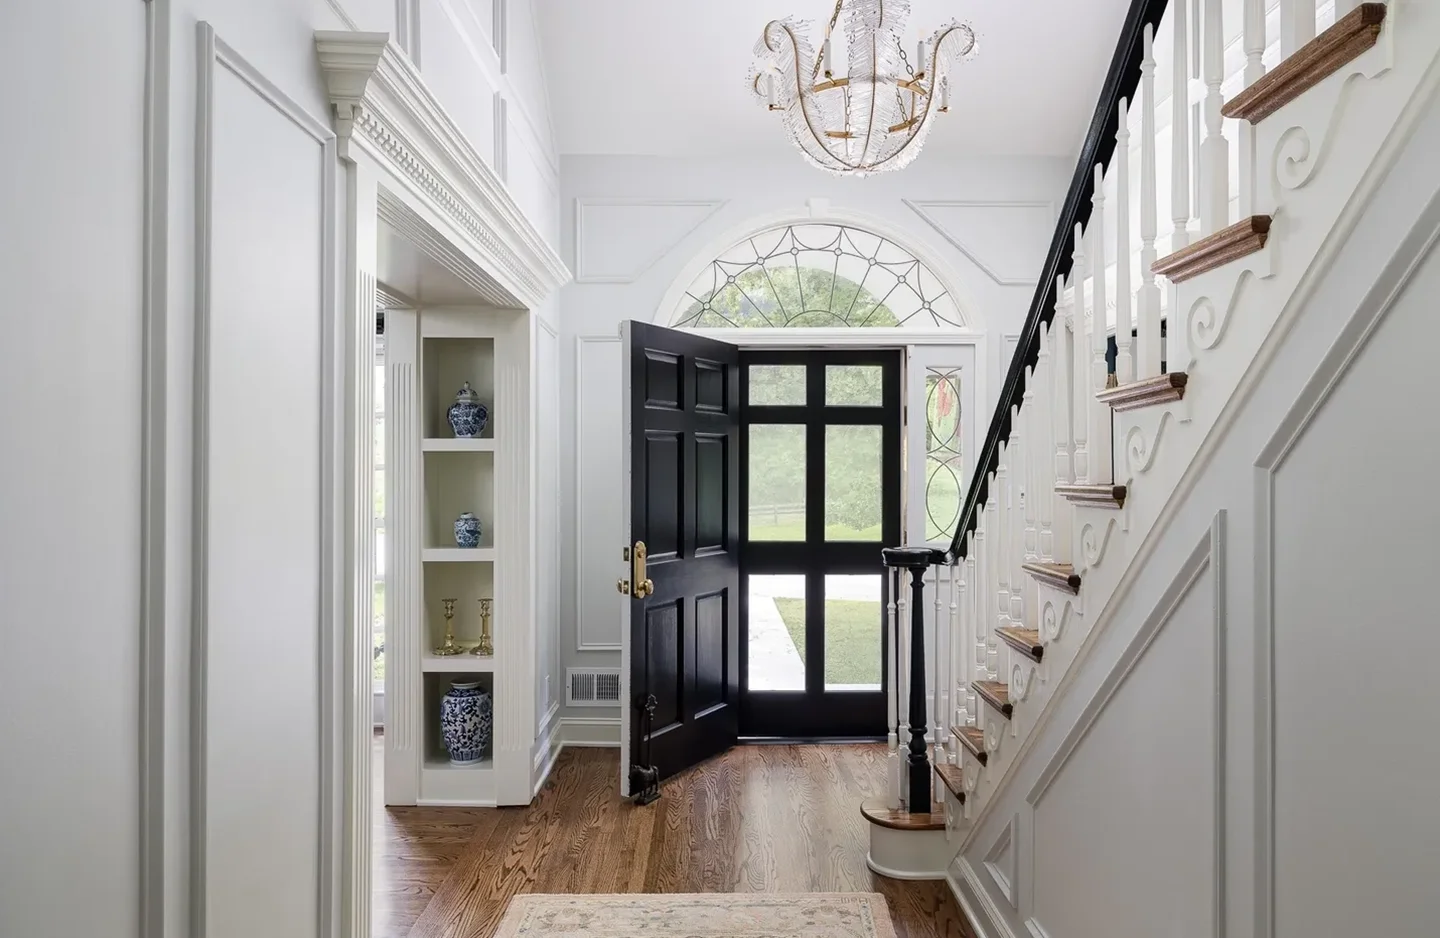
column 467, row 531
column 467, row 415
column 467, row 716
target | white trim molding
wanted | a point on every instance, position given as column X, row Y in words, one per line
column 334, row 863
column 920, row 206
column 383, row 108
column 651, row 259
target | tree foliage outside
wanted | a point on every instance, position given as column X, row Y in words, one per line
column 788, row 297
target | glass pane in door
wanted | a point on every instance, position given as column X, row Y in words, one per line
column 854, row 385
column 853, row 623
column 777, row 632
column 853, row 474
column 777, row 482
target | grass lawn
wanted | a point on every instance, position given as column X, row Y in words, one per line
column 852, row 637
column 793, row 529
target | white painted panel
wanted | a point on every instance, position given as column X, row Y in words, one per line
column 600, row 532
column 484, row 13
column 70, row 257
column 1354, row 632
column 367, row 15
column 547, row 503
column 617, row 240
column 1138, row 791
column 525, row 65
column 531, row 181
column 263, row 507
column 454, row 75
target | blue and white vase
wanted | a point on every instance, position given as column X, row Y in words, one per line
column 467, row 716
column 467, row 415
column 467, row 531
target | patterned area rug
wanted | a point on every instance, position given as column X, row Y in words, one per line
column 729, row 915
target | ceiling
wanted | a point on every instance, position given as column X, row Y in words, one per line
column 667, row 77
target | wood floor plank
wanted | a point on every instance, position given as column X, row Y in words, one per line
column 759, row 818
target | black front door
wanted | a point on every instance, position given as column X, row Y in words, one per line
column 821, row 493
column 684, row 480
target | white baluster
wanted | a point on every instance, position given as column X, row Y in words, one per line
column 937, row 670
column 1297, row 25
column 1124, row 365
column 992, row 574
column 902, row 688
column 973, row 600
column 1019, row 446
column 1215, row 151
column 892, row 740
column 982, row 590
column 1081, row 371
column 1064, row 388
column 1044, row 449
column 1147, row 329
column 1001, row 613
column 1254, row 43
column 1180, row 132
column 954, row 670
column 1029, row 491
column 1099, row 414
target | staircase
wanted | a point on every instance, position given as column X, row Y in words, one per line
column 1140, row 351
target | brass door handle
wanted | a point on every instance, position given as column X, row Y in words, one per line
column 644, row 586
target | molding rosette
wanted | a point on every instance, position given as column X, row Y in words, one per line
column 382, row 106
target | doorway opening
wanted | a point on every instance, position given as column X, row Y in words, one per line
column 820, row 490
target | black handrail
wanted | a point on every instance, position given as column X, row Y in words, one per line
column 1120, row 82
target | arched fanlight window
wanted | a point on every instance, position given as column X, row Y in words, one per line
column 817, row 275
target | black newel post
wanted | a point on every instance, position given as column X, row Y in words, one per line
column 917, row 560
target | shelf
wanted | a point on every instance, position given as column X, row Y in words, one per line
column 457, row 664
column 442, row 764
column 458, row 555
column 453, row 445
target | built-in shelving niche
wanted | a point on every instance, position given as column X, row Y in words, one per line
column 448, row 364
column 440, row 781
column 467, row 583
column 457, row 482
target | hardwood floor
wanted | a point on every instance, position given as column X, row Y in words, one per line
column 760, row 818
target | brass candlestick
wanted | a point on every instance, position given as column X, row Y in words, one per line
column 486, row 648
column 449, row 648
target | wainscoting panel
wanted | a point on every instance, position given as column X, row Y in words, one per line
column 599, row 435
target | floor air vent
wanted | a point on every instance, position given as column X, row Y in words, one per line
column 592, row 687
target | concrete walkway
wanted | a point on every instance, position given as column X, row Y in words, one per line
column 775, row 662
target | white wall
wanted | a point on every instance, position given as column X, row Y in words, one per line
column 632, row 223
column 70, row 255
column 1277, row 637
column 70, row 506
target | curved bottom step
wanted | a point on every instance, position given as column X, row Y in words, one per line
column 907, row 846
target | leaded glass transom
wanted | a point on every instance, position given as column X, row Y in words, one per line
column 817, row 275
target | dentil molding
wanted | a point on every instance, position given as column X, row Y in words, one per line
column 382, row 106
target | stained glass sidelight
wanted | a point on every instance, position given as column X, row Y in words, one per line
column 944, row 468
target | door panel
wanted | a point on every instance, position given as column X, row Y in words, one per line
column 681, row 677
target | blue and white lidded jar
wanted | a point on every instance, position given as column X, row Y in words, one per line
column 467, row 717
column 467, row 415
column 467, row 530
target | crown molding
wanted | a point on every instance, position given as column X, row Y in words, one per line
column 383, row 108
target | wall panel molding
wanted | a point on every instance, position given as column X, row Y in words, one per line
column 591, row 632
column 1378, row 301
column 1208, row 554
column 587, row 211
column 214, row 55
column 1000, row 270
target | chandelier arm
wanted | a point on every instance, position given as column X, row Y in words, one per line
column 929, row 99
column 800, row 95
column 820, row 56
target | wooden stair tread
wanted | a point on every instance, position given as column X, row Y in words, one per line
column 1231, row 243
column 953, row 777
column 1099, row 496
column 876, row 811
column 996, row 695
column 973, row 739
column 1353, row 34
column 1160, row 389
column 1059, row 575
column 1025, row 641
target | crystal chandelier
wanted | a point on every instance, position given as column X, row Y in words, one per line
column 875, row 117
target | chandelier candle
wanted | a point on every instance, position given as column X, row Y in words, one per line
column 876, row 116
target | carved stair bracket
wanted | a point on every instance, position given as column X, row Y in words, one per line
column 384, row 110
column 1241, row 239
column 1352, row 35
column 1096, row 496
column 1025, row 641
column 1161, row 389
column 1059, row 575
